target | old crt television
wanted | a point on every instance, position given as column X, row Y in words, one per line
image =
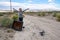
column 17, row 25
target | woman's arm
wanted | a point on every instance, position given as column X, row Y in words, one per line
column 26, row 9
column 15, row 10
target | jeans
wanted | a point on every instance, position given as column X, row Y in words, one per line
column 21, row 19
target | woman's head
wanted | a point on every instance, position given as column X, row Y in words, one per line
column 20, row 9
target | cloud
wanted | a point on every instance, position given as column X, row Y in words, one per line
column 51, row 0
column 4, row 0
column 29, row 1
column 27, row 5
column 8, row 3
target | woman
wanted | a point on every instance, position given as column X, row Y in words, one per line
column 20, row 13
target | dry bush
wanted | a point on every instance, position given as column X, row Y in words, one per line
column 15, row 17
column 6, row 22
column 54, row 15
column 58, row 17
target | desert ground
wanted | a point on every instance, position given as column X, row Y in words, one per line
column 34, row 25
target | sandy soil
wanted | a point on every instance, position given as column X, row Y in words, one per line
column 35, row 25
column 6, row 33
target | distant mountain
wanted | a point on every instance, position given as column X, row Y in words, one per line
column 5, row 11
column 43, row 10
column 34, row 10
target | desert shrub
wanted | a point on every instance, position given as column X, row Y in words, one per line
column 6, row 22
column 8, row 13
column 1, row 14
column 15, row 17
column 42, row 14
column 39, row 14
column 58, row 17
column 54, row 15
column 49, row 13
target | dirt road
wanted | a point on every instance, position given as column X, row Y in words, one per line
column 33, row 27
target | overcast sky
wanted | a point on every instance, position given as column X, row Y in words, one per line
column 32, row 4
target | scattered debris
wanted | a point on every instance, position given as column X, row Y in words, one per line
column 23, row 27
column 11, row 36
column 9, row 31
column 42, row 33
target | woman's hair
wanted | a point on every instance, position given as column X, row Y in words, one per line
column 20, row 9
